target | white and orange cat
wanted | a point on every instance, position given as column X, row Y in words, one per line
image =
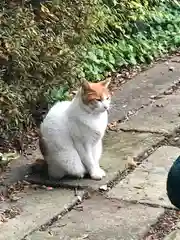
column 72, row 133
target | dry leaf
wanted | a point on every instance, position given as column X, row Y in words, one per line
column 131, row 163
column 5, row 158
column 103, row 188
column 113, row 126
column 84, row 236
column 171, row 69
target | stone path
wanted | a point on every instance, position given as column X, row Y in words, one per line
column 128, row 202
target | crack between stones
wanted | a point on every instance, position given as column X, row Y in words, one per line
column 134, row 202
column 174, row 87
column 163, row 133
column 58, row 216
column 141, row 158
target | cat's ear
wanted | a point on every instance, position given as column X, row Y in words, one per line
column 106, row 82
column 85, row 85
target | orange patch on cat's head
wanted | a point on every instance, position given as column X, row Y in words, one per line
column 95, row 91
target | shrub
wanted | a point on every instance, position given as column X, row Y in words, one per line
column 39, row 51
column 46, row 49
column 136, row 32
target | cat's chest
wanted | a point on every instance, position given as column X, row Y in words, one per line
column 95, row 123
column 91, row 126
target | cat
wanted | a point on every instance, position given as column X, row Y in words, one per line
column 72, row 133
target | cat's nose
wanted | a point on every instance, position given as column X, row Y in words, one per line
column 105, row 107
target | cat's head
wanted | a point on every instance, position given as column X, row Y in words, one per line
column 96, row 96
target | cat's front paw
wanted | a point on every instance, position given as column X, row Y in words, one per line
column 98, row 174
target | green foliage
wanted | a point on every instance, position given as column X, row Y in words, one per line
column 38, row 52
column 148, row 32
column 58, row 94
column 46, row 51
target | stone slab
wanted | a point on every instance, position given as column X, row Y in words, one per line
column 37, row 208
column 18, row 168
column 102, row 219
column 162, row 116
column 137, row 92
column 175, row 235
column 147, row 183
column 117, row 147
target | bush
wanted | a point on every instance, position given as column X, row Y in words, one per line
column 45, row 50
column 147, row 30
column 39, row 51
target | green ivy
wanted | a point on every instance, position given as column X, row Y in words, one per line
column 57, row 94
column 157, row 33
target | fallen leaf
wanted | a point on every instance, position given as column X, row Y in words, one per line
column 131, row 163
column 113, row 126
column 171, row 69
column 14, row 198
column 103, row 188
column 5, row 158
column 78, row 208
column 159, row 105
column 168, row 92
column 84, row 236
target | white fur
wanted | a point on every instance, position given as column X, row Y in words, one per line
column 72, row 133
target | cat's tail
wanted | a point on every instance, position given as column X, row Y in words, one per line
column 39, row 169
column 42, row 145
column 39, row 175
column 40, row 166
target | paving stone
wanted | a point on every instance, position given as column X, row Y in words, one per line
column 162, row 116
column 147, row 183
column 117, row 147
column 37, row 208
column 102, row 219
column 138, row 91
column 175, row 235
column 18, row 168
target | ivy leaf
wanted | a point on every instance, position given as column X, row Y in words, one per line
column 142, row 59
column 132, row 60
column 93, row 57
column 111, row 59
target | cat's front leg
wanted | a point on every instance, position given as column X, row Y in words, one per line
column 97, row 153
column 97, row 173
column 92, row 164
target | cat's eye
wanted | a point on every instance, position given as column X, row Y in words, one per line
column 107, row 98
column 99, row 100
